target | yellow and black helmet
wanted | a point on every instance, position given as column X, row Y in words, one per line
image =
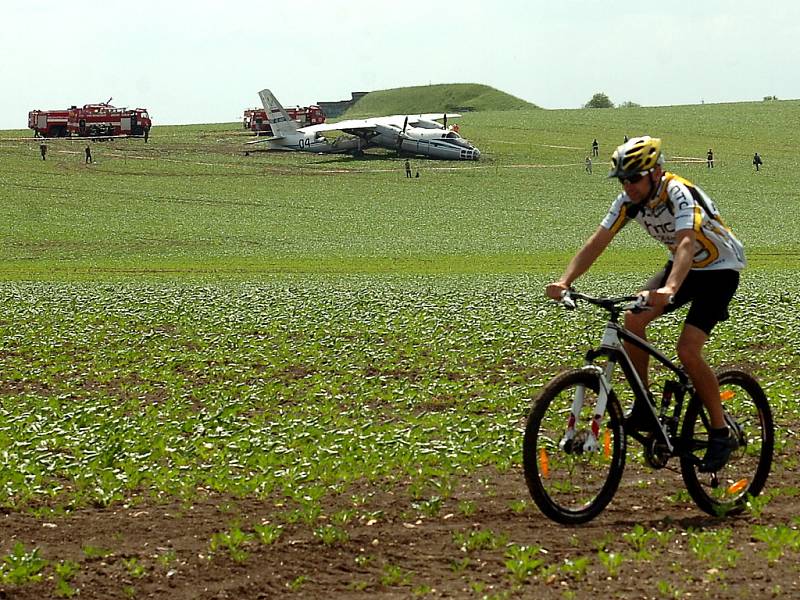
column 637, row 155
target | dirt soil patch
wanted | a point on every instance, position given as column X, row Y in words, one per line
column 394, row 549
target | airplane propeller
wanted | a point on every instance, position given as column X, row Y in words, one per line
column 445, row 120
column 402, row 135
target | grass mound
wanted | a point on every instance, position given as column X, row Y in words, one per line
column 453, row 97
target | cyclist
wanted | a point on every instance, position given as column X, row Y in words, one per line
column 703, row 268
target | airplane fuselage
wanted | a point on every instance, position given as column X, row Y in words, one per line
column 302, row 144
column 310, row 142
column 441, row 148
column 435, row 142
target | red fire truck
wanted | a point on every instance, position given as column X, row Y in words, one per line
column 104, row 120
column 91, row 120
column 255, row 119
column 48, row 123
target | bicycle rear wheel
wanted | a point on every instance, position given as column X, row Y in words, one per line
column 568, row 483
column 749, row 417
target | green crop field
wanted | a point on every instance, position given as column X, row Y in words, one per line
column 315, row 348
column 191, row 203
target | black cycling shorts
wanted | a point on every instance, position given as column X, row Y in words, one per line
column 710, row 292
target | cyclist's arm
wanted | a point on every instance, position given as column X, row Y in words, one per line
column 581, row 262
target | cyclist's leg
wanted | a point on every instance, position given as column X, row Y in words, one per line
column 637, row 323
column 710, row 293
column 639, row 419
column 690, row 353
column 720, row 440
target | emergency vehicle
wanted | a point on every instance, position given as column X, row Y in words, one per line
column 90, row 120
column 48, row 123
column 255, row 119
column 101, row 120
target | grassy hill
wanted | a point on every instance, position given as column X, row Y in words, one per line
column 454, row 97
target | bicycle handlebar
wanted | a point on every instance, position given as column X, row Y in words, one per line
column 635, row 303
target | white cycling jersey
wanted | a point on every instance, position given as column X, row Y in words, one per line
column 679, row 205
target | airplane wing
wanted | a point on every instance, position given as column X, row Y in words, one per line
column 362, row 124
column 398, row 120
column 370, row 124
column 434, row 116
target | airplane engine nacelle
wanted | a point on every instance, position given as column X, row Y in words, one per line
column 386, row 129
column 426, row 124
column 427, row 134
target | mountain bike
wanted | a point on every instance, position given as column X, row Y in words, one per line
column 576, row 437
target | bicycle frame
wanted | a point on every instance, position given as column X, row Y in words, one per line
column 613, row 348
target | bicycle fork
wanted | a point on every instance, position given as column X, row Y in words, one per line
column 591, row 443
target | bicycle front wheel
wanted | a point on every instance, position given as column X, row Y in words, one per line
column 572, row 481
column 749, row 418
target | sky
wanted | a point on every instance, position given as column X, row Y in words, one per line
column 204, row 61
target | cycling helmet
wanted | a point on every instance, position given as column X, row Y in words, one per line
column 637, row 155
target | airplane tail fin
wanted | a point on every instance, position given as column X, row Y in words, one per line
column 279, row 120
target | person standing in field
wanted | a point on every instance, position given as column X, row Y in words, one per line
column 705, row 259
column 88, row 152
column 757, row 161
column 589, row 165
column 43, row 150
column 408, row 168
column 595, row 148
column 710, row 159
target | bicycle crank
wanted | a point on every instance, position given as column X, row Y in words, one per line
column 656, row 453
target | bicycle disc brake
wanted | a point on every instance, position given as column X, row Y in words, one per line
column 575, row 445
